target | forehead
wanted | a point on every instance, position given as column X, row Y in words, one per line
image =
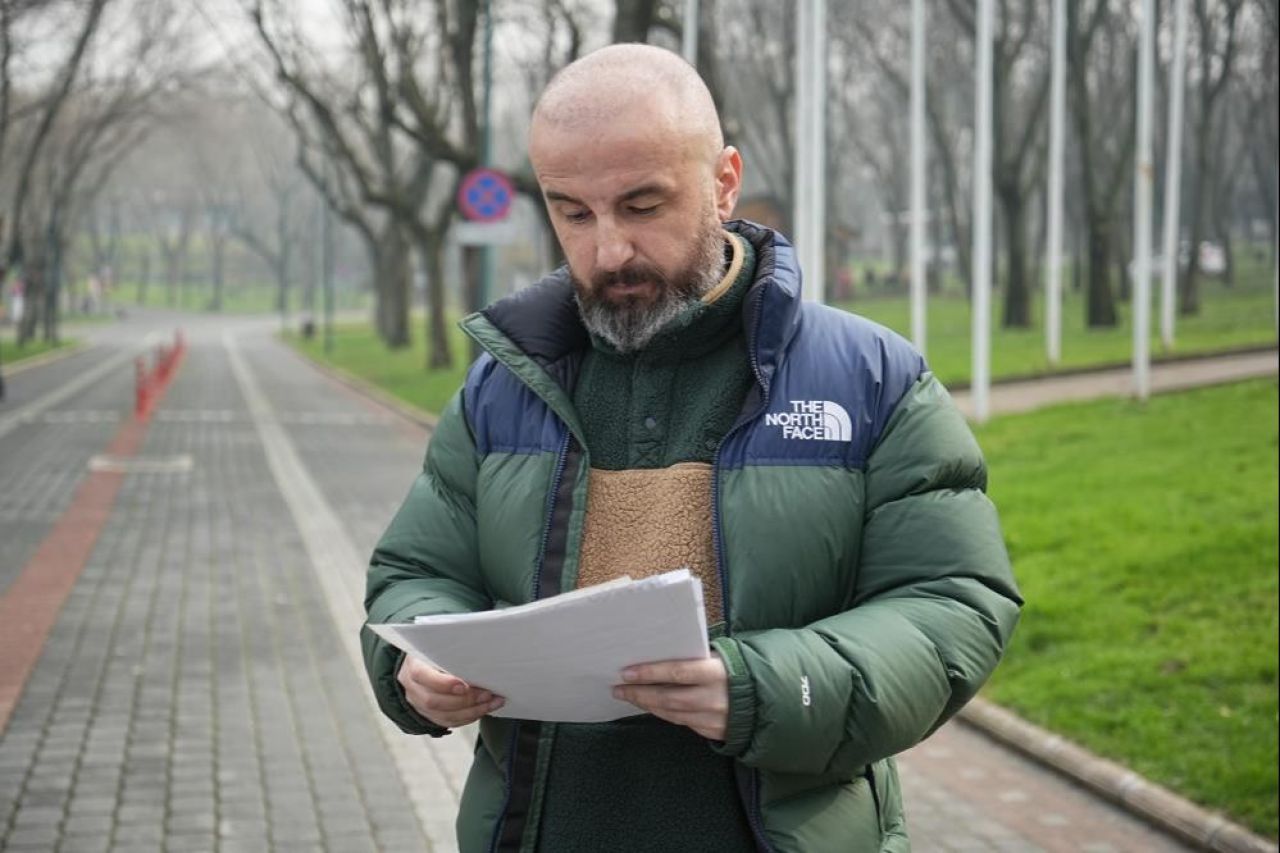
column 609, row 160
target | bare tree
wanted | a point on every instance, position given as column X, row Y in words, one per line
column 948, row 103
column 100, row 119
column 1101, row 69
column 43, row 111
column 1021, row 86
column 355, row 143
column 1217, row 41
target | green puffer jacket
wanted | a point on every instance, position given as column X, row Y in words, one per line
column 867, row 594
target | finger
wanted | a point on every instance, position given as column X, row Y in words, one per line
column 462, row 716
column 431, row 678
column 673, row 699
column 670, row 672
column 436, row 701
column 469, row 715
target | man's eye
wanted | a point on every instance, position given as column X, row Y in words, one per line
column 577, row 216
column 644, row 211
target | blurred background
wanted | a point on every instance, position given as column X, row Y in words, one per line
column 301, row 160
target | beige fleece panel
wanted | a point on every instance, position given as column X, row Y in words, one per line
column 648, row 521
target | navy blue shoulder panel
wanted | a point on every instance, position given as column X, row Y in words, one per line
column 832, row 395
column 505, row 416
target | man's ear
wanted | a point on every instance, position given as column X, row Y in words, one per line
column 728, row 182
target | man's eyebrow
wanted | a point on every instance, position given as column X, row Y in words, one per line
column 643, row 190
column 552, row 195
column 629, row 195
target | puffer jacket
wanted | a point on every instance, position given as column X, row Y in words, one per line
column 867, row 593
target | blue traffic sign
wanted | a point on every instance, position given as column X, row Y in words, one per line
column 485, row 195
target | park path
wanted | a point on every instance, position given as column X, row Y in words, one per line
column 200, row 687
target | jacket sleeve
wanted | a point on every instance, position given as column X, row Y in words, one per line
column 426, row 562
column 934, row 606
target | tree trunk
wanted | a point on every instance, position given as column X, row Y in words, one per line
column 219, row 250
column 1189, row 286
column 472, row 272
column 283, row 270
column 898, row 242
column 391, row 287
column 1100, row 307
column 144, row 277
column 632, row 20
column 33, row 275
column 52, row 293
column 439, row 353
column 1017, row 295
column 1121, row 255
column 1222, row 230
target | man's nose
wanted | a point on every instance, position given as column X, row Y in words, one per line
column 613, row 245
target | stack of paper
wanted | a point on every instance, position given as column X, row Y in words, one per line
column 558, row 659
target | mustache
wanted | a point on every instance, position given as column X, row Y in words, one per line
column 630, row 274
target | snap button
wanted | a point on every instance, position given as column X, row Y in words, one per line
column 650, row 422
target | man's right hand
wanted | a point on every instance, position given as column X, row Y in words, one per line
column 444, row 699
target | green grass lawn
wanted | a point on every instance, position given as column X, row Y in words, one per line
column 11, row 354
column 258, row 298
column 1229, row 318
column 1145, row 542
column 357, row 350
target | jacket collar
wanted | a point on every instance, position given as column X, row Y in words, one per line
column 542, row 320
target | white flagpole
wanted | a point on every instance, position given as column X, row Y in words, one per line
column 981, row 301
column 689, row 44
column 817, row 269
column 801, row 224
column 918, row 174
column 810, row 144
column 1173, row 175
column 1057, row 128
column 1142, row 208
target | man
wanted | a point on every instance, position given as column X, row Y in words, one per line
column 668, row 400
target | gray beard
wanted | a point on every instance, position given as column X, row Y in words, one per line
column 630, row 326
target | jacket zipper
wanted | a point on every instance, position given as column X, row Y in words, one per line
column 561, row 459
column 752, row 806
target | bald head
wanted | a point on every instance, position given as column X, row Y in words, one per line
column 631, row 85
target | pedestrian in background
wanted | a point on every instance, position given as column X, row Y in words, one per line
column 667, row 399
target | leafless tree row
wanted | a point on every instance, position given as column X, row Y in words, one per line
column 65, row 129
column 376, row 115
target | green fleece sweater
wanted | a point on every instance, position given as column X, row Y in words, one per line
column 642, row 784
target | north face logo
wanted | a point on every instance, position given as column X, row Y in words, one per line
column 813, row 420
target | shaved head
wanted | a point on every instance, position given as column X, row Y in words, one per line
column 632, row 83
column 627, row 148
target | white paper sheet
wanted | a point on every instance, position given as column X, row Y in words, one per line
column 557, row 659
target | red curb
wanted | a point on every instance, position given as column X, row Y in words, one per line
column 30, row 606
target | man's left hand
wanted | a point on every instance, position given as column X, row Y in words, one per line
column 693, row 693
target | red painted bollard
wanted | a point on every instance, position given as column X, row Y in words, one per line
column 142, row 389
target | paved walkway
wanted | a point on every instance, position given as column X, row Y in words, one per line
column 200, row 688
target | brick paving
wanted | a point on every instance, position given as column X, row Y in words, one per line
column 195, row 693
column 42, row 459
